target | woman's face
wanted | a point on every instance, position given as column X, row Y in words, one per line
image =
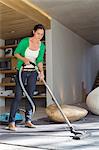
column 38, row 34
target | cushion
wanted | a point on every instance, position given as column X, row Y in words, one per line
column 73, row 113
column 92, row 101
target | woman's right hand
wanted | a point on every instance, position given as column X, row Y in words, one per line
column 26, row 61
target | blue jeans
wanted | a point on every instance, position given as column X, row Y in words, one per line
column 29, row 81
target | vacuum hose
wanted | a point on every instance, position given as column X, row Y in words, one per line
column 23, row 88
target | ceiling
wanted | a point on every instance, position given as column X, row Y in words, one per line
column 17, row 19
column 13, row 24
column 80, row 16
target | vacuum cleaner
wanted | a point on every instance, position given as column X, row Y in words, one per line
column 77, row 135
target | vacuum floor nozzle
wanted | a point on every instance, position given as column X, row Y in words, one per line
column 80, row 136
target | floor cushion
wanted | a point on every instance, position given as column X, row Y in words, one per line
column 73, row 113
column 92, row 101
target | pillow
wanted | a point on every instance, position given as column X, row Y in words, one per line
column 92, row 101
column 73, row 113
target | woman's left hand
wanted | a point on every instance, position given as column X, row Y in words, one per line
column 41, row 76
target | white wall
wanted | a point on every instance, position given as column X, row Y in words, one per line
column 66, row 67
column 49, row 64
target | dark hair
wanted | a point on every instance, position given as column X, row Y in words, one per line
column 38, row 26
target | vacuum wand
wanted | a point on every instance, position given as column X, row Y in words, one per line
column 77, row 135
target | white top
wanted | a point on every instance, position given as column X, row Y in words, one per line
column 31, row 55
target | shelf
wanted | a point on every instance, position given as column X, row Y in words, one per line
column 38, row 96
column 39, row 83
column 7, row 57
column 13, row 84
column 7, row 84
column 8, row 71
column 8, row 46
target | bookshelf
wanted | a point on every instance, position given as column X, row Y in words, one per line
column 12, row 72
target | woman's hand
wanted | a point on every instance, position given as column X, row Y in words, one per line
column 41, row 76
column 41, row 72
column 26, row 61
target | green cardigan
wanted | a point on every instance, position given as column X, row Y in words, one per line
column 21, row 48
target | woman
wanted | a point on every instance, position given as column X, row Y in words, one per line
column 30, row 49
